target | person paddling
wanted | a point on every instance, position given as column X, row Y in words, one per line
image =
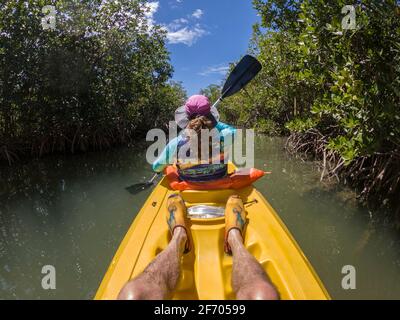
column 195, row 115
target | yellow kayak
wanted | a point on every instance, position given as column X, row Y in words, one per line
column 206, row 270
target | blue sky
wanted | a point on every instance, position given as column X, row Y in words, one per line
column 204, row 36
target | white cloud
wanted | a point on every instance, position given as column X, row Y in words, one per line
column 185, row 35
column 220, row 69
column 150, row 9
column 177, row 23
column 197, row 13
column 179, row 30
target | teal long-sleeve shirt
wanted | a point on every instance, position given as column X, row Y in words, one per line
column 167, row 157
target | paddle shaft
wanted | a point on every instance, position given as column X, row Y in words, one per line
column 153, row 178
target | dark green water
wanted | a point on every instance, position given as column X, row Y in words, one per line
column 72, row 212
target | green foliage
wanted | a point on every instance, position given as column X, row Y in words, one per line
column 343, row 83
column 347, row 147
column 267, row 126
column 99, row 78
column 278, row 14
column 361, row 72
column 213, row 92
column 301, row 125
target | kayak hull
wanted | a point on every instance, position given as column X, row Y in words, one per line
column 206, row 270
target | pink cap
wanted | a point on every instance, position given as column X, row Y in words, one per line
column 198, row 105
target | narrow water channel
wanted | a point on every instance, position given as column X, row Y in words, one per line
column 72, row 212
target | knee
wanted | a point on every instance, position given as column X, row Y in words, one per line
column 132, row 291
column 259, row 291
column 264, row 291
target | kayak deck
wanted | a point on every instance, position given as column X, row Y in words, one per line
column 206, row 270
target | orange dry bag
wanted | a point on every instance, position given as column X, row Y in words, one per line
column 239, row 179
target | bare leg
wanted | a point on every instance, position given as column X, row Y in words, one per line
column 160, row 277
column 249, row 280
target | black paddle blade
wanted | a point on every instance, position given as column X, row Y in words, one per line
column 242, row 74
column 138, row 187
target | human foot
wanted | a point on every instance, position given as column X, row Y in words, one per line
column 235, row 219
column 177, row 218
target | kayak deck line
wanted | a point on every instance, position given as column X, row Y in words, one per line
column 206, row 270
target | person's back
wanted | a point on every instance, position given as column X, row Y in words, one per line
column 199, row 150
